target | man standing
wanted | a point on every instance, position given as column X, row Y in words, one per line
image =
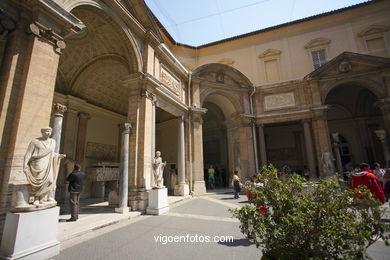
column 76, row 181
column 365, row 177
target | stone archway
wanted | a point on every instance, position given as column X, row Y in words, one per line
column 353, row 114
column 221, row 138
column 89, row 82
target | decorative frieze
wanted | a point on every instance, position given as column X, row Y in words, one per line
column 168, row 80
column 279, row 101
column 99, row 151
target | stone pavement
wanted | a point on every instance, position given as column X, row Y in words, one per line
column 94, row 215
column 146, row 237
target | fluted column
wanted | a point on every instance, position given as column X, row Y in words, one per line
column 309, row 148
column 262, row 146
column 182, row 188
column 124, row 169
column 81, row 137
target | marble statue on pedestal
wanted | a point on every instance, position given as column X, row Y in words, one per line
column 158, row 169
column 41, row 165
column 327, row 163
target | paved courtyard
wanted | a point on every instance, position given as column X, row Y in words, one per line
column 204, row 216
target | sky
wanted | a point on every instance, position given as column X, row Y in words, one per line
column 198, row 22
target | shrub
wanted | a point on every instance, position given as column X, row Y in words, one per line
column 291, row 219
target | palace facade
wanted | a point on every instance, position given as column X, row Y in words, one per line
column 299, row 94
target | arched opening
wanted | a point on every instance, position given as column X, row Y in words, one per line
column 353, row 115
column 90, row 72
column 215, row 139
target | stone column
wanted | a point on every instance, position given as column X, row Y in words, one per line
column 58, row 115
column 309, row 149
column 124, row 169
column 336, row 150
column 199, row 186
column 81, row 137
column 382, row 135
column 262, row 146
column 182, row 188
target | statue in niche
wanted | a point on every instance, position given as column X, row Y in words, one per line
column 158, row 169
column 327, row 163
column 41, row 165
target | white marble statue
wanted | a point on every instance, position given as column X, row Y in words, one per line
column 327, row 163
column 158, row 169
column 41, row 165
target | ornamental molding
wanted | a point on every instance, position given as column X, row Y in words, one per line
column 270, row 53
column 373, row 29
column 317, row 42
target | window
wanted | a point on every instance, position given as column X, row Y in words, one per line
column 319, row 58
column 270, row 59
column 375, row 41
column 271, row 70
column 376, row 46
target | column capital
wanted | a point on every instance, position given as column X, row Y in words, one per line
column 306, row 120
column 85, row 116
column 59, row 109
column 125, row 128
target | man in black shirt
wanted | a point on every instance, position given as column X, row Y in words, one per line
column 76, row 181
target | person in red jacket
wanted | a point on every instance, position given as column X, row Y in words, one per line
column 365, row 177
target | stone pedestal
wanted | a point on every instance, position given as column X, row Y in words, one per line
column 31, row 235
column 181, row 189
column 158, row 201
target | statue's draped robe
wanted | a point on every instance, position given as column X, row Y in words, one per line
column 43, row 165
column 158, row 168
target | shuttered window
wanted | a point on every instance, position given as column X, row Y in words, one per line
column 319, row 58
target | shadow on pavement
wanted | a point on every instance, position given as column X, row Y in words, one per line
column 237, row 242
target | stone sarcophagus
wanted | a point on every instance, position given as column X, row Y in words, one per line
column 104, row 177
column 104, row 171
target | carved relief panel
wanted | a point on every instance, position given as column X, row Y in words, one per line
column 169, row 81
column 279, row 101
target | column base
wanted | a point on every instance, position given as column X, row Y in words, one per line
column 199, row 188
column 122, row 210
column 181, row 189
column 142, row 199
column 158, row 201
column 20, row 228
column 133, row 202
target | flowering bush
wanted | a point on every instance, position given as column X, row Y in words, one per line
column 291, row 219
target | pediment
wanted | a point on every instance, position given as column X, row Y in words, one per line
column 373, row 29
column 349, row 63
column 269, row 53
column 222, row 74
column 317, row 42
